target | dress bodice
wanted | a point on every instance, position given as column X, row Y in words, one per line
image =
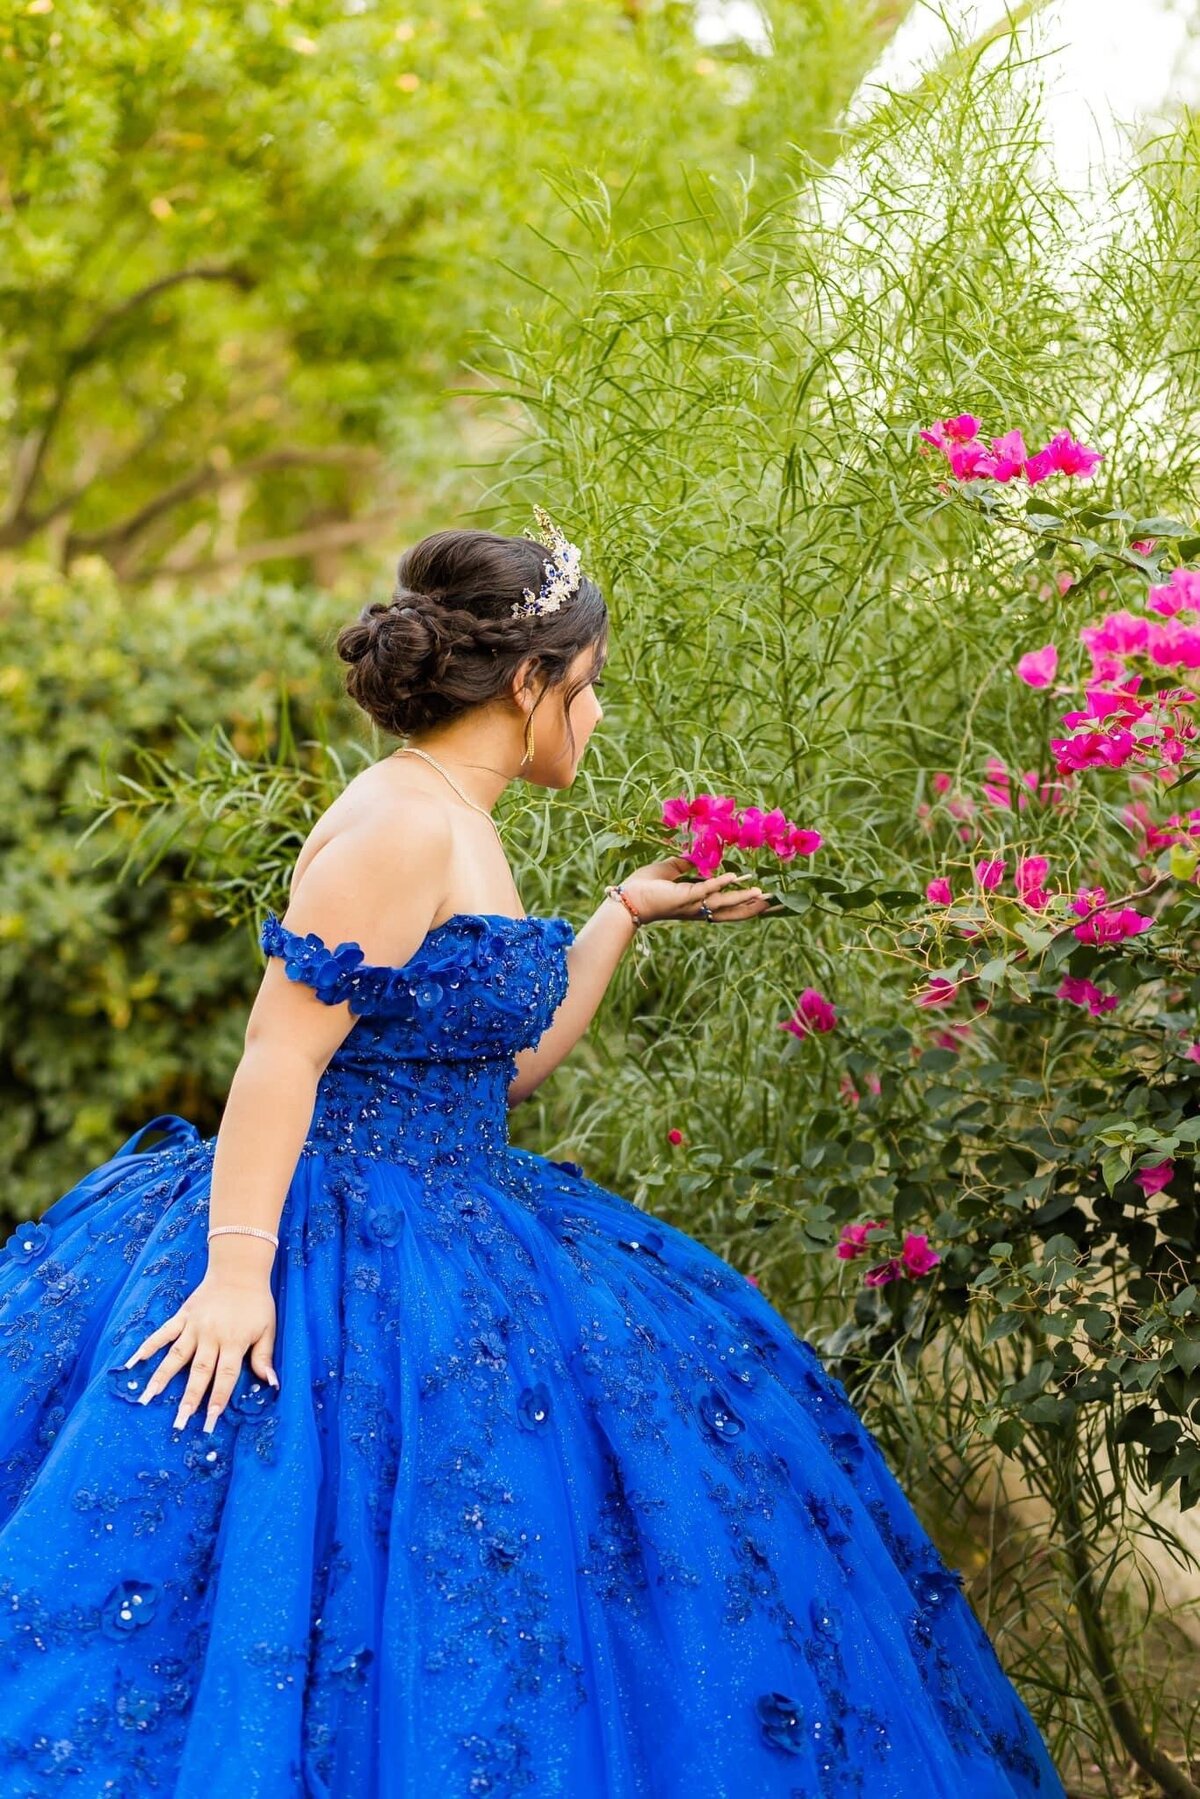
column 425, row 1071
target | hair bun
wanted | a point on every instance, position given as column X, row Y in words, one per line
column 447, row 640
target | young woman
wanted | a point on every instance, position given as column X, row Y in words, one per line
column 357, row 1454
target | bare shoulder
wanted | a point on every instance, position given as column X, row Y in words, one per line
column 373, row 871
column 378, row 827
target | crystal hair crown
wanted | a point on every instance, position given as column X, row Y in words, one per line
column 562, row 570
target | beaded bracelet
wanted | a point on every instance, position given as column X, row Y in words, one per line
column 618, row 893
column 244, row 1230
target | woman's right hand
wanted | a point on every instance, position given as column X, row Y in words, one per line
column 214, row 1327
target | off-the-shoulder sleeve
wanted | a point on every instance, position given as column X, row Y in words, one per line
column 333, row 974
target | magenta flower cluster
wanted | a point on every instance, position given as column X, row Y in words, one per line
column 916, row 1258
column 714, row 823
column 970, row 458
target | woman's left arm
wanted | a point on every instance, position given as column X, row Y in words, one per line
column 657, row 893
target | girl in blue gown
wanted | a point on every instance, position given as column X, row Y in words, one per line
column 503, row 1486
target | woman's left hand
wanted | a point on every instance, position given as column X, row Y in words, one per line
column 659, row 891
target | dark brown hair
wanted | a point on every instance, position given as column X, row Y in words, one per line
column 447, row 639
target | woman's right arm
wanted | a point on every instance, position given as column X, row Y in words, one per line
column 360, row 887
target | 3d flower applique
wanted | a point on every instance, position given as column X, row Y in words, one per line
column 383, row 1223
column 933, row 1584
column 489, row 1347
column 533, row 1407
column 306, row 958
column 203, row 1456
column 130, row 1605
column 740, row 1363
column 649, row 1243
column 764, row 1340
column 427, row 993
column 781, row 1722
column 28, row 1242
column 847, row 1448
column 716, row 1413
column 252, row 1400
column 500, row 1550
column 128, row 1383
column 351, row 1666
column 574, row 1169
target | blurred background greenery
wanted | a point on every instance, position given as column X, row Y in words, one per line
column 282, row 287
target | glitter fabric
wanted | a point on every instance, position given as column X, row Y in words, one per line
column 550, row 1502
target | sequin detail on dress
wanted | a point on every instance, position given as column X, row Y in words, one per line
column 550, row 1501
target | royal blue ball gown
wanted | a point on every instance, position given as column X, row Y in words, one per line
column 550, row 1501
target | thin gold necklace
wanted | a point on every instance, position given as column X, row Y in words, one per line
column 411, row 750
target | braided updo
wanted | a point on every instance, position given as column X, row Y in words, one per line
column 447, row 639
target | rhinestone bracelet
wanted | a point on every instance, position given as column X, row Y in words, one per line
column 244, row 1230
column 618, row 893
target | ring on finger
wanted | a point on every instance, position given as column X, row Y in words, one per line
column 706, row 911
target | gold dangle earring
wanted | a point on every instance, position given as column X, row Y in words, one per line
column 528, row 756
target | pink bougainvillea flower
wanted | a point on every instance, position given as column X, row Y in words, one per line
column 705, row 854
column 939, row 892
column 1180, row 593
column 1151, row 836
column 918, row 1258
column 1037, row 668
column 1192, row 1052
column 713, row 822
column 853, row 1239
column 691, row 814
column 939, row 992
column 998, row 792
column 753, row 1279
column 1088, row 898
column 1061, row 456
column 752, row 828
column 989, row 874
column 1094, row 749
column 968, row 462
column 801, row 843
column 962, row 429
column 1153, row 1180
column 1064, row 582
column 882, row 1273
column 1114, row 926
column 1118, row 704
column 1030, row 876
column 1142, row 546
column 942, row 783
column 953, row 1036
column 813, row 1012
column 1083, row 993
column 674, row 1135
column 1007, row 459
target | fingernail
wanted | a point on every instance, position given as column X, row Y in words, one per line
column 273, row 1378
column 180, row 1419
column 209, row 1422
column 132, row 1359
column 143, row 1397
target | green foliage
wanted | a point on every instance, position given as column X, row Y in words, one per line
column 122, row 997
column 243, row 246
